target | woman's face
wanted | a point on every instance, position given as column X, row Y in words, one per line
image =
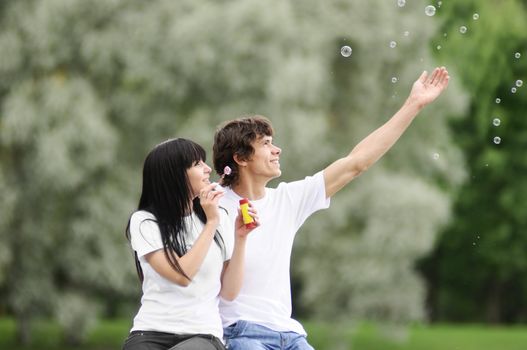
column 198, row 175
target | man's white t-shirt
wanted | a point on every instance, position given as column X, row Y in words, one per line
column 265, row 297
column 168, row 307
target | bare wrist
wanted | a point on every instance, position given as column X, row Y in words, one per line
column 212, row 223
column 240, row 239
column 412, row 103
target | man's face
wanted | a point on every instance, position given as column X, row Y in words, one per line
column 265, row 160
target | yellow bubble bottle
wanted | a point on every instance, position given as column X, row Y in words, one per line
column 247, row 219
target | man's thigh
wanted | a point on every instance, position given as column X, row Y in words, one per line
column 248, row 335
column 243, row 343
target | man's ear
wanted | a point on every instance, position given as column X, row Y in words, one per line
column 239, row 160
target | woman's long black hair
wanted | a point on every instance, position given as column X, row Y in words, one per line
column 166, row 194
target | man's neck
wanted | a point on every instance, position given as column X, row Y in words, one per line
column 252, row 190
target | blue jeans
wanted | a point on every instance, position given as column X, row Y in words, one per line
column 244, row 335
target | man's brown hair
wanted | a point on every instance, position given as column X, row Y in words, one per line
column 235, row 137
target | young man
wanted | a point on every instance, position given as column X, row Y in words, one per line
column 260, row 317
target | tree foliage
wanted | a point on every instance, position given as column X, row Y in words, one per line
column 357, row 258
column 87, row 88
column 477, row 271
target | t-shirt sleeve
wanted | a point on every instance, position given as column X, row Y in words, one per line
column 307, row 196
column 144, row 233
column 227, row 232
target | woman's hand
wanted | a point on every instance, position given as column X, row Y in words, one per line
column 209, row 200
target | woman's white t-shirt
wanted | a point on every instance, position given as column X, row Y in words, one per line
column 167, row 306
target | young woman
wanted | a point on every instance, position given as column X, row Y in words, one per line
column 185, row 257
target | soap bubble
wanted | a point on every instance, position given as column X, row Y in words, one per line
column 498, row 100
column 519, row 83
column 475, row 17
column 394, row 80
column 462, row 29
column 430, row 10
column 393, row 44
column 497, row 140
column 496, row 122
column 406, row 33
column 401, row 3
column 439, row 3
column 513, row 90
column 439, row 47
column 346, row 51
column 435, row 156
column 517, row 55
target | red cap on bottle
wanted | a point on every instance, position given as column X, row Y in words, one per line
column 244, row 201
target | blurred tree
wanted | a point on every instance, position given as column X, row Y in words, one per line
column 65, row 191
column 357, row 259
column 87, row 88
column 478, row 271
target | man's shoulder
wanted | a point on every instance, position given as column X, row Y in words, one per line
column 229, row 199
column 306, row 181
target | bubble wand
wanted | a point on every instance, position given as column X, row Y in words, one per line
column 226, row 172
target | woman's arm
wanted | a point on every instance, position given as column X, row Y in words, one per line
column 191, row 262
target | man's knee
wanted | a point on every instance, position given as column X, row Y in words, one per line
column 301, row 344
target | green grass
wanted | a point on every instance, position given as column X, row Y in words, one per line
column 109, row 334
column 435, row 337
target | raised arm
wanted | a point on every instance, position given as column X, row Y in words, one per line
column 424, row 91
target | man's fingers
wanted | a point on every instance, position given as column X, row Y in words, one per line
column 444, row 78
column 434, row 77
column 423, row 76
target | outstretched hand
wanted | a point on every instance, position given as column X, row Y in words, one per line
column 429, row 86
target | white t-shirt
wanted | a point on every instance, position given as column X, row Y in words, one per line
column 265, row 297
column 168, row 307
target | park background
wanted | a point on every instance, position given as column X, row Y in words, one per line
column 427, row 250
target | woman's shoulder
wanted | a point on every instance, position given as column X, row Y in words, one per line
column 141, row 215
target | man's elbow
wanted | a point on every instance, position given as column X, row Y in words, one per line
column 355, row 171
column 359, row 166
